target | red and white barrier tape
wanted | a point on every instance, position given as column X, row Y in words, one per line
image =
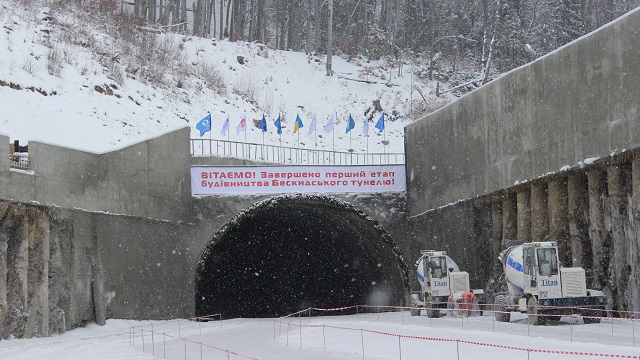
column 416, row 337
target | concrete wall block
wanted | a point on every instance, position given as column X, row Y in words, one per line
column 150, row 257
column 544, row 116
column 4, row 154
column 20, row 186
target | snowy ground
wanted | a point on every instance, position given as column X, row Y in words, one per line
column 89, row 108
column 339, row 338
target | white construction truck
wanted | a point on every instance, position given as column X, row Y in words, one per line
column 538, row 285
column 439, row 277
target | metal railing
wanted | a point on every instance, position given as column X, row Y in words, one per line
column 289, row 155
column 19, row 160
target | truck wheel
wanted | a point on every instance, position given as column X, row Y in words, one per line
column 592, row 320
column 415, row 308
column 532, row 311
column 500, row 311
column 554, row 317
column 431, row 311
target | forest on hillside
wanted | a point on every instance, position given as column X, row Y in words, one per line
column 457, row 41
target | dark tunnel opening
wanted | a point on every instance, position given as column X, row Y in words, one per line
column 293, row 252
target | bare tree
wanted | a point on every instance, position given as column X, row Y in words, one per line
column 221, row 34
column 330, row 39
column 487, row 67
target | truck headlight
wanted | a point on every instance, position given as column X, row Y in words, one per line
column 435, row 292
column 544, row 294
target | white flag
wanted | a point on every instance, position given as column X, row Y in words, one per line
column 365, row 128
column 312, row 126
column 329, row 126
column 225, row 127
column 242, row 126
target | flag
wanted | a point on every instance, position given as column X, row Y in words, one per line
column 365, row 128
column 350, row 124
column 204, row 125
column 242, row 126
column 312, row 126
column 380, row 123
column 298, row 124
column 225, row 127
column 278, row 125
column 263, row 124
column 328, row 127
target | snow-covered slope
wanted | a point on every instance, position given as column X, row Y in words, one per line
column 68, row 78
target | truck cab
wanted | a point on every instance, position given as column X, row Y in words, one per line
column 439, row 277
column 541, row 270
column 539, row 286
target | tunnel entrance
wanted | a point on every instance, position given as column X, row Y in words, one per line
column 289, row 252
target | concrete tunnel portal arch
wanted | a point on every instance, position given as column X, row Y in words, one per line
column 292, row 252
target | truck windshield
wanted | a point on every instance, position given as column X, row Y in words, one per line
column 547, row 262
column 438, row 267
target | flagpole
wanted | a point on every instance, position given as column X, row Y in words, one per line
column 280, row 147
column 279, row 130
column 333, row 134
column 263, row 124
column 350, row 149
column 210, row 140
column 384, row 139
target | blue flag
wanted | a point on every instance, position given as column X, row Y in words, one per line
column 204, row 125
column 278, row 125
column 263, row 124
column 350, row 124
column 298, row 124
column 380, row 123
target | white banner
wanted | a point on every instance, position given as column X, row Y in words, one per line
column 249, row 180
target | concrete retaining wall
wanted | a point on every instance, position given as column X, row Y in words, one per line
column 577, row 103
column 144, row 179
